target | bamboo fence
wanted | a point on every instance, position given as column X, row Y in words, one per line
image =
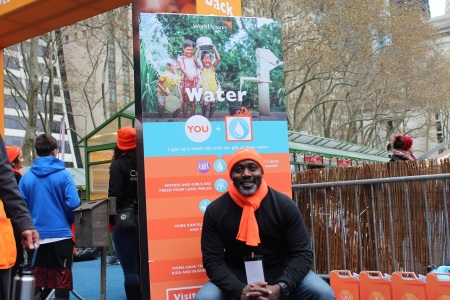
column 400, row 226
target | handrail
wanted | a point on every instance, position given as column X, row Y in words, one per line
column 371, row 181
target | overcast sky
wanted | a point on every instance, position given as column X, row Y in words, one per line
column 437, row 7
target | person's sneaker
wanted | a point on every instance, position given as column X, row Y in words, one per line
column 113, row 260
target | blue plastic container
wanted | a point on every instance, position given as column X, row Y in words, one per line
column 441, row 269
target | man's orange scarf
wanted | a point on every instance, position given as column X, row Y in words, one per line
column 248, row 228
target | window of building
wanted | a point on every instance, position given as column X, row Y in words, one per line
column 58, row 108
column 67, row 147
column 111, row 51
column 126, row 96
column 44, row 88
column 42, row 50
column 40, row 104
column 124, row 42
column 11, row 63
column 56, row 90
column 55, row 72
column 126, row 76
column 15, row 81
column 13, row 140
column 40, row 126
column 26, row 46
column 15, row 122
column 68, row 164
column 17, row 103
column 56, row 127
column 112, row 93
column 111, row 71
column 43, row 69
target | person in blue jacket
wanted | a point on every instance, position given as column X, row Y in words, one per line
column 51, row 195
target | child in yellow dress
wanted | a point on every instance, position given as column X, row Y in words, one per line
column 208, row 79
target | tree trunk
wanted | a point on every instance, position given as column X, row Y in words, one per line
column 32, row 102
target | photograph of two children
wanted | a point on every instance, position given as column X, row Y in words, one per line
column 210, row 66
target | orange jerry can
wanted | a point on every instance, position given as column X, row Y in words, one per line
column 406, row 286
column 438, row 286
column 374, row 286
column 344, row 285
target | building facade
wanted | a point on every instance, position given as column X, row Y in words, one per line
column 51, row 100
column 99, row 67
column 442, row 23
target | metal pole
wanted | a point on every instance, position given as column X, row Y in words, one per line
column 427, row 222
column 327, row 235
column 408, row 215
column 375, row 235
column 343, row 223
column 444, row 199
column 313, row 236
column 103, row 275
column 391, row 222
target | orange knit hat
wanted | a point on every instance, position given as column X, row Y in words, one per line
column 13, row 152
column 244, row 154
column 126, row 138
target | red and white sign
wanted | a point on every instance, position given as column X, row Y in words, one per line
column 313, row 159
column 344, row 163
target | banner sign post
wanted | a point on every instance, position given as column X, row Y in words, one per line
column 209, row 85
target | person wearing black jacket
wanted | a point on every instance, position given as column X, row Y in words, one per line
column 123, row 186
column 255, row 223
column 17, row 211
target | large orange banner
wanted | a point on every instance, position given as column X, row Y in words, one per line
column 191, row 124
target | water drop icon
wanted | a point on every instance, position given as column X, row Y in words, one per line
column 239, row 130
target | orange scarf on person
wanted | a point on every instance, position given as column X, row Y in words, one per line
column 248, row 228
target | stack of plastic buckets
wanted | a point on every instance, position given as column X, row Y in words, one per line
column 372, row 285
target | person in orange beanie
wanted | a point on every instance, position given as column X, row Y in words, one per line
column 123, row 186
column 254, row 242
column 16, row 159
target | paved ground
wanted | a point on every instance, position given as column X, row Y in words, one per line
column 86, row 280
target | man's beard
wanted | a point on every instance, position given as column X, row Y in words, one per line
column 248, row 191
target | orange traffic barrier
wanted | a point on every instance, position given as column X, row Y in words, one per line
column 406, row 286
column 438, row 286
column 344, row 285
column 374, row 286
